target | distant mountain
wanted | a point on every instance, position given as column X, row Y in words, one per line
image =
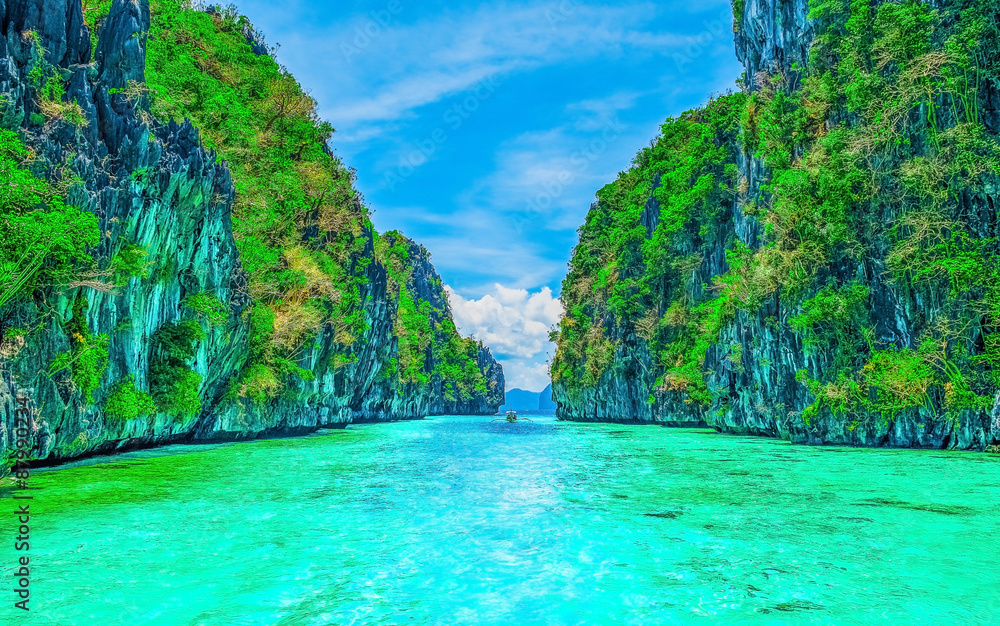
column 529, row 401
column 521, row 400
column 545, row 402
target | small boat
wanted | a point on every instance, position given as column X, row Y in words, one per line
column 511, row 418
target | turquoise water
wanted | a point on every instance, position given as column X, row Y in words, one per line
column 458, row 520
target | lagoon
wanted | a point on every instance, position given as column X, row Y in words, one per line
column 464, row 520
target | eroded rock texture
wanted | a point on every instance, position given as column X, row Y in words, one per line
column 155, row 185
column 751, row 368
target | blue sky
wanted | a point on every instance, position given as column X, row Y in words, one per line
column 484, row 129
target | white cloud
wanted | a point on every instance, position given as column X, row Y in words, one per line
column 515, row 324
column 511, row 321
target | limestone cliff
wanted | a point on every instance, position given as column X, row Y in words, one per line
column 154, row 187
column 814, row 257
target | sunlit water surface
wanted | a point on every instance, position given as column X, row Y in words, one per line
column 460, row 520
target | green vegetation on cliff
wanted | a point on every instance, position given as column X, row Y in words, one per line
column 182, row 256
column 138, row 303
column 42, row 239
column 87, row 359
column 126, row 402
column 620, row 275
column 298, row 223
column 301, row 228
column 173, row 384
column 878, row 172
column 421, row 329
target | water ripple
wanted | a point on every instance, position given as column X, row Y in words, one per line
column 467, row 521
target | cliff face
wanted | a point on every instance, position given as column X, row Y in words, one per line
column 385, row 398
column 154, row 187
column 824, row 271
column 772, row 35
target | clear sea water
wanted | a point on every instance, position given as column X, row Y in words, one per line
column 457, row 520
